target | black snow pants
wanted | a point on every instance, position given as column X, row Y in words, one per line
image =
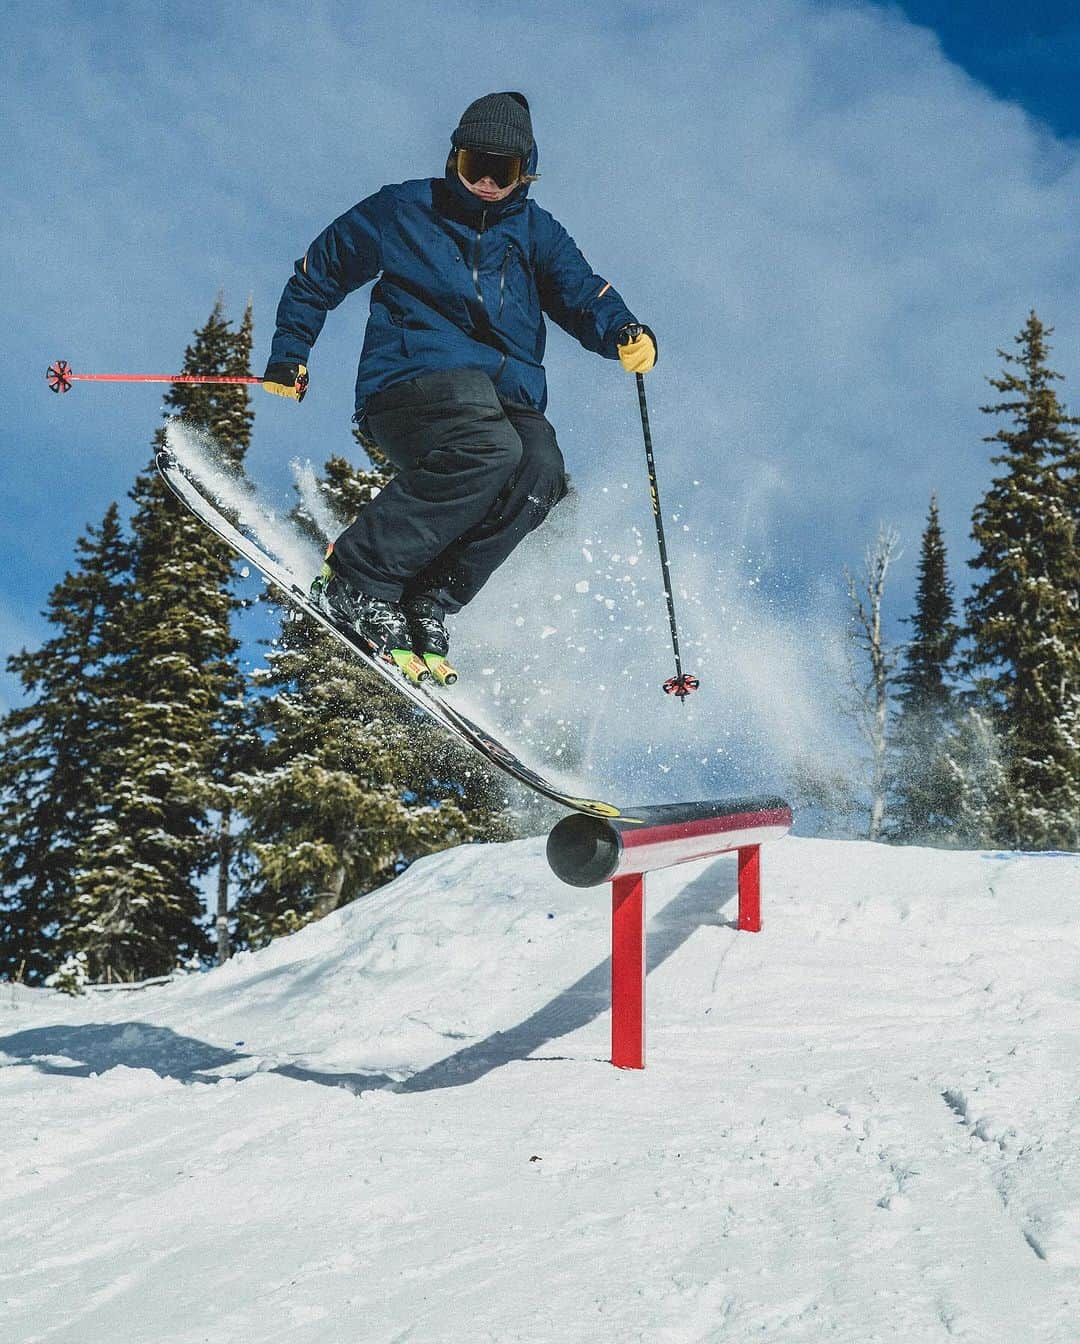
column 476, row 475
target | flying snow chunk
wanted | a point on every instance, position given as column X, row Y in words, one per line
column 547, row 631
column 582, row 587
column 245, row 572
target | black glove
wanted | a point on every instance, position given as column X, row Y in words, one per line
column 286, row 380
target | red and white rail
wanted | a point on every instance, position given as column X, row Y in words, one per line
column 586, row 851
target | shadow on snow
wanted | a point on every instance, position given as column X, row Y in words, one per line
column 80, row 1051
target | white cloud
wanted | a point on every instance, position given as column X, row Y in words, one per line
column 829, row 225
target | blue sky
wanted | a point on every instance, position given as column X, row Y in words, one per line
column 832, row 214
column 1028, row 53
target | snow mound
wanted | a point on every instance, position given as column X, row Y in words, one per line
column 400, row 1123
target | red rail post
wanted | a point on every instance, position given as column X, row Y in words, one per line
column 750, row 889
column 585, row 851
column 628, row 971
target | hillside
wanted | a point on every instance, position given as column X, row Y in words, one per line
column 400, row 1125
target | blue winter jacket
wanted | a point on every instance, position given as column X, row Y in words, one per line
column 460, row 284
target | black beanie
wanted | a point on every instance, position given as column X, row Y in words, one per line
column 498, row 122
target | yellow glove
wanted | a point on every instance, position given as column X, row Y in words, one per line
column 637, row 349
column 286, row 380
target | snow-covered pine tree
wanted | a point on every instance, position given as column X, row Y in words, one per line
column 1023, row 619
column 971, row 766
column 176, row 688
column 355, row 783
column 50, row 753
column 923, row 799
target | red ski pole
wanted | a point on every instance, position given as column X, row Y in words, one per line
column 60, row 378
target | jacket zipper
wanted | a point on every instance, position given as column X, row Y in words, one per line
column 479, row 291
column 476, row 263
column 502, row 280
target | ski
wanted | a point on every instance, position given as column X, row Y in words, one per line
column 187, row 491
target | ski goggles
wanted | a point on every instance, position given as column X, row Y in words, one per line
column 476, row 164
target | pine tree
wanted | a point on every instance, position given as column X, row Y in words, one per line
column 1023, row 618
column 50, row 753
column 355, row 783
column 972, row 769
column 923, row 803
column 176, row 686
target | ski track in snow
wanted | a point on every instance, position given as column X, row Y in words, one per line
column 398, row 1125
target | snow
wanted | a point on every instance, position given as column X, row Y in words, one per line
column 399, row 1124
column 201, row 457
column 742, row 640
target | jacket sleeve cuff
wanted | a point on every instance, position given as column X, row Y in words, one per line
column 285, row 349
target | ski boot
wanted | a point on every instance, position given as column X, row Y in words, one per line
column 380, row 625
column 429, row 638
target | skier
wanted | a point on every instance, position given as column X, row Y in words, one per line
column 451, row 385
